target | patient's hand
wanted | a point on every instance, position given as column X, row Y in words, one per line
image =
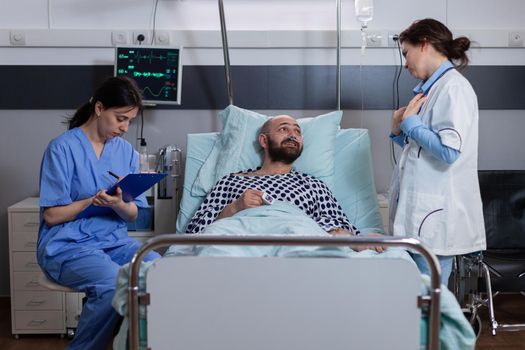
column 338, row 231
column 343, row 232
column 378, row 249
column 249, row 199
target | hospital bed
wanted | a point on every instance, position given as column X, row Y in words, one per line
column 196, row 302
column 375, row 301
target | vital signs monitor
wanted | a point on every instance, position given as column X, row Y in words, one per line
column 157, row 71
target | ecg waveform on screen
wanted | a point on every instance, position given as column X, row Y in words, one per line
column 149, row 74
column 165, row 91
column 171, row 58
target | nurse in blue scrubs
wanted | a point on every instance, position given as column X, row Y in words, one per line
column 86, row 253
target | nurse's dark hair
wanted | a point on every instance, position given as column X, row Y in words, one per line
column 440, row 37
column 114, row 92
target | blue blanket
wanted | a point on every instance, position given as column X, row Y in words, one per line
column 283, row 219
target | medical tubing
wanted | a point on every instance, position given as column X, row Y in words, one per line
column 395, row 91
column 363, row 39
column 399, row 73
column 362, row 88
column 141, row 124
column 226, row 53
column 203, row 239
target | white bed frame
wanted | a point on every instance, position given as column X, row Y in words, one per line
column 282, row 303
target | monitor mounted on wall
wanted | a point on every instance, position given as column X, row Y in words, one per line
column 157, row 71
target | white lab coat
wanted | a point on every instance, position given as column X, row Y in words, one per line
column 438, row 203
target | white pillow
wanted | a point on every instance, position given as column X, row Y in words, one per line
column 237, row 148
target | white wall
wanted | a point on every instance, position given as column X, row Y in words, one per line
column 253, row 14
column 78, row 32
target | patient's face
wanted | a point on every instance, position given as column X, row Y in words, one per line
column 285, row 141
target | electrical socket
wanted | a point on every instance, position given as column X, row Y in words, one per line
column 391, row 41
column 162, row 37
column 119, row 37
column 516, row 39
column 145, row 33
column 17, row 37
column 374, row 39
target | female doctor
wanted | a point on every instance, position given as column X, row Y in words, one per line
column 435, row 193
column 86, row 253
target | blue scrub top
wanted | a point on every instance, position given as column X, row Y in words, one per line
column 70, row 171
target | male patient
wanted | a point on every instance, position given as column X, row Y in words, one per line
column 282, row 143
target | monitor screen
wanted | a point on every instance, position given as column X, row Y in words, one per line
column 157, row 71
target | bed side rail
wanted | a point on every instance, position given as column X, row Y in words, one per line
column 432, row 300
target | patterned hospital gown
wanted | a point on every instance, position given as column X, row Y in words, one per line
column 309, row 194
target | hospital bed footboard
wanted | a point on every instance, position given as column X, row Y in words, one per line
column 282, row 303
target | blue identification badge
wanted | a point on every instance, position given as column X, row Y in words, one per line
column 267, row 199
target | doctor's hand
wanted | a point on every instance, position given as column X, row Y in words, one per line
column 414, row 105
column 397, row 118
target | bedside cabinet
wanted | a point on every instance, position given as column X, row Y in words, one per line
column 35, row 309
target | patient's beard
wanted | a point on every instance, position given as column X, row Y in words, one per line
column 280, row 153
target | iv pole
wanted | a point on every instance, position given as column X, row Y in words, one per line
column 227, row 55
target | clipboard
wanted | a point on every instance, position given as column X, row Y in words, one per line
column 132, row 186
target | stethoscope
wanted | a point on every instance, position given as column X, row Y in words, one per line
column 425, row 93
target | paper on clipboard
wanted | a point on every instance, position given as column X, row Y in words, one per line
column 132, row 186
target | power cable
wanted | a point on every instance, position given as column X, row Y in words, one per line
column 154, row 21
column 395, row 90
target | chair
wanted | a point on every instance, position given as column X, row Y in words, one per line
column 48, row 284
column 501, row 268
column 53, row 286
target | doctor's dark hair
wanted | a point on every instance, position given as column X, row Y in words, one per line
column 114, row 92
column 440, row 37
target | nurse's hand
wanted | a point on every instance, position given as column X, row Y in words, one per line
column 103, row 199
column 414, row 105
column 126, row 210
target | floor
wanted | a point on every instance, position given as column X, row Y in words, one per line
column 25, row 341
column 509, row 308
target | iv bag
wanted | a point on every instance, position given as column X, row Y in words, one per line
column 364, row 11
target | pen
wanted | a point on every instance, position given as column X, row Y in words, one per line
column 113, row 174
